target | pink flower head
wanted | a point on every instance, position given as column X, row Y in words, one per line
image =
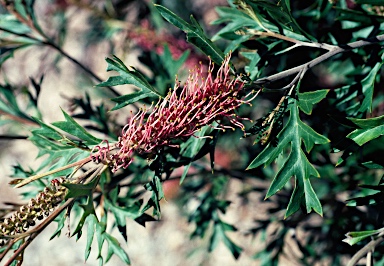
column 202, row 100
column 148, row 39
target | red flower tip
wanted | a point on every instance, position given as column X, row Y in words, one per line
column 202, row 100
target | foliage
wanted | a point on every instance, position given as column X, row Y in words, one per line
column 301, row 82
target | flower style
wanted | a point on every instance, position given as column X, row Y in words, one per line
column 202, row 100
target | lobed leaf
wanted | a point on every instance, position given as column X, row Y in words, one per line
column 122, row 213
column 72, row 127
column 59, row 149
column 220, row 236
column 308, row 99
column 370, row 129
column 292, row 136
column 79, row 190
column 115, row 248
column 127, row 76
column 171, row 65
column 60, row 225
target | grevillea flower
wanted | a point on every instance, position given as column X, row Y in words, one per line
column 149, row 40
column 202, row 100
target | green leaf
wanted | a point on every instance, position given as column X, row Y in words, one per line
column 157, row 195
column 234, row 19
column 368, row 84
column 47, row 131
column 115, row 248
column 88, row 209
column 252, row 20
column 171, row 65
column 286, row 8
column 60, row 225
column 191, row 148
column 60, row 150
column 252, row 68
column 91, row 222
column 369, row 122
column 370, row 2
column 370, row 129
column 195, row 34
column 122, row 213
column 291, row 137
column 9, row 22
column 358, row 16
column 219, row 235
column 79, row 190
column 127, row 99
column 127, row 76
column 9, row 103
column 308, row 99
column 372, row 165
column 355, row 237
column 98, row 228
column 371, row 199
column 72, row 127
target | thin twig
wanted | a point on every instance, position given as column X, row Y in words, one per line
column 38, row 230
column 36, row 177
column 19, row 119
column 53, row 45
column 288, row 39
column 367, row 248
column 76, row 62
column 9, row 246
column 336, row 50
column 12, row 137
column 293, row 82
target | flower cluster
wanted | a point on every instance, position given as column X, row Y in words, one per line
column 202, row 100
column 36, row 209
column 149, row 40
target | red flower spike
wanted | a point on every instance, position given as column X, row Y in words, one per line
column 203, row 99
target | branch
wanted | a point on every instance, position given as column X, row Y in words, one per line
column 76, row 62
column 38, row 230
column 12, row 137
column 289, row 39
column 19, row 119
column 36, row 177
column 86, row 178
column 53, row 45
column 367, row 248
column 334, row 51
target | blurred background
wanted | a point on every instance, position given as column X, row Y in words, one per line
column 64, row 76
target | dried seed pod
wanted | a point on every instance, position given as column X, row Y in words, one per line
column 36, row 209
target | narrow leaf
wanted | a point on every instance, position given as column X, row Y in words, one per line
column 127, row 76
column 115, row 248
column 72, row 127
column 355, row 237
column 195, row 34
column 293, row 135
column 368, row 84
